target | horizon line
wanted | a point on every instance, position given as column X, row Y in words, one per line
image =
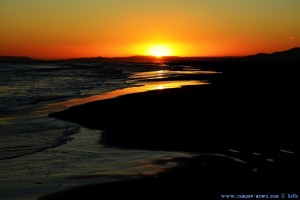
column 116, row 57
column 147, row 56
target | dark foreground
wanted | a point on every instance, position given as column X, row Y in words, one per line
column 244, row 126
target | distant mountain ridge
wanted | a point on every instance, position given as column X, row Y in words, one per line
column 291, row 55
column 16, row 59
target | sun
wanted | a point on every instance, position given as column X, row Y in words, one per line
column 159, row 51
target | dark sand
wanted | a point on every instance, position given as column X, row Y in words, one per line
column 243, row 125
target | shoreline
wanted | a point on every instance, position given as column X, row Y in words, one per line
column 158, row 115
column 81, row 161
column 229, row 123
column 206, row 176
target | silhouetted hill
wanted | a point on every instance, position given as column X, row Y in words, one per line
column 15, row 59
column 291, row 55
column 140, row 58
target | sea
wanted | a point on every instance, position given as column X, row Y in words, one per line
column 40, row 155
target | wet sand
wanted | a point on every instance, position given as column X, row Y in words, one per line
column 242, row 127
column 80, row 161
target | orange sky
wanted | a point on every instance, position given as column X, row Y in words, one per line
column 74, row 28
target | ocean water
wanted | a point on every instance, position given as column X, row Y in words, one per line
column 25, row 88
column 39, row 154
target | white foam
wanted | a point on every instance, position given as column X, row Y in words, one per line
column 286, row 151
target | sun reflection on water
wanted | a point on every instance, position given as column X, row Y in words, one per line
column 145, row 86
column 160, row 87
column 165, row 73
column 145, row 81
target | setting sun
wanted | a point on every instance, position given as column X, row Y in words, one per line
column 111, row 28
column 159, row 51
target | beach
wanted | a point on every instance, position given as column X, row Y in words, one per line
column 240, row 126
column 42, row 155
column 107, row 99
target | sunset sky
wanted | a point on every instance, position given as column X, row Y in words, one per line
column 88, row 28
